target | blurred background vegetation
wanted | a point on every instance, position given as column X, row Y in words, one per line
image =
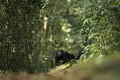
column 32, row 30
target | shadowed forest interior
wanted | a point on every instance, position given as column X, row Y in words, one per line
column 33, row 32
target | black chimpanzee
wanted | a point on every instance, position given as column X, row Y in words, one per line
column 62, row 57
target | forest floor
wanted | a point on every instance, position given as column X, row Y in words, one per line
column 103, row 68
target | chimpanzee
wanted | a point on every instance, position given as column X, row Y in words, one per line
column 63, row 57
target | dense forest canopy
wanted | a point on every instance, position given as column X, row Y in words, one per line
column 32, row 30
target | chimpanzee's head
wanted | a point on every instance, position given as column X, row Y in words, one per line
column 59, row 53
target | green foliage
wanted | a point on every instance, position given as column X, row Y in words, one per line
column 31, row 31
column 101, row 30
column 19, row 28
